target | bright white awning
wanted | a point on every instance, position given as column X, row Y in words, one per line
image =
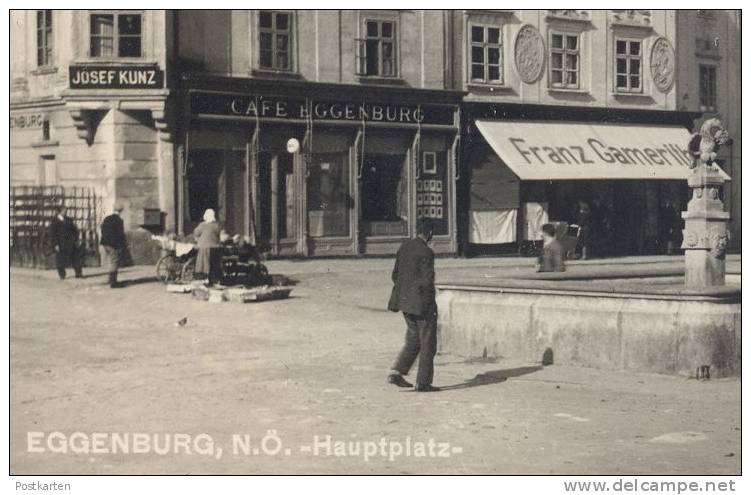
column 577, row 150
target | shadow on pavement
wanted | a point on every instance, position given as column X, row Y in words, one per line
column 138, row 281
column 492, row 377
column 93, row 275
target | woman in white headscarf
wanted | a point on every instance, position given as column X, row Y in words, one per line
column 207, row 235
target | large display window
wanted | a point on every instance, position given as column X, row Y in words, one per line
column 330, row 203
column 384, row 179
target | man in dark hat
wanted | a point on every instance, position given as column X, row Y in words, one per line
column 63, row 235
column 114, row 243
column 414, row 296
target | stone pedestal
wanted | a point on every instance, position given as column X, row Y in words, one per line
column 705, row 232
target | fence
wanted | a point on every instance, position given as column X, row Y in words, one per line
column 31, row 210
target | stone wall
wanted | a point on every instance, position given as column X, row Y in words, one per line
column 662, row 334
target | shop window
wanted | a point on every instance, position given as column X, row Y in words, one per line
column 329, row 201
column 432, row 190
column 115, row 35
column 44, row 38
column 428, row 162
column 564, row 60
column 486, row 54
column 707, row 88
column 376, row 52
column 628, row 65
column 385, row 195
column 275, row 42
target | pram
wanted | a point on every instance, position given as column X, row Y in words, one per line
column 178, row 261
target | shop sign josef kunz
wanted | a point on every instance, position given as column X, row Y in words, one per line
column 255, row 106
column 115, row 77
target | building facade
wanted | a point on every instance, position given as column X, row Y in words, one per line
column 709, row 82
column 330, row 132
column 317, row 132
column 569, row 114
column 88, row 106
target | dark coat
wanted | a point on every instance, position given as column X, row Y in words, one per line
column 63, row 234
column 414, row 279
column 552, row 258
column 113, row 232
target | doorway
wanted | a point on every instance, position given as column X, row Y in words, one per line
column 277, row 197
column 217, row 179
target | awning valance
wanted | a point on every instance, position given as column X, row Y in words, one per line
column 579, row 150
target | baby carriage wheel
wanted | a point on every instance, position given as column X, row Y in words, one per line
column 189, row 268
column 168, row 268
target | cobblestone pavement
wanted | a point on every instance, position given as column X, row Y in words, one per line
column 310, row 372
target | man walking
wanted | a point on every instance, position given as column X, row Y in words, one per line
column 114, row 243
column 63, row 235
column 414, row 295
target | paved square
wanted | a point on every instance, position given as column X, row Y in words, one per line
column 310, row 372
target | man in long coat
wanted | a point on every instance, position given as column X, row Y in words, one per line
column 114, row 243
column 63, row 235
column 414, row 296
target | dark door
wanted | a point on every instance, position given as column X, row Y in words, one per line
column 276, row 201
column 216, row 179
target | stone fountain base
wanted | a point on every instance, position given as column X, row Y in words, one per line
column 657, row 329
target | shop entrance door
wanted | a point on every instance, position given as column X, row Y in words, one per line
column 629, row 217
column 216, row 180
column 276, row 188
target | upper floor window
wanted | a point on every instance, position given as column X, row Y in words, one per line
column 115, row 35
column 486, row 54
column 628, row 66
column 707, row 88
column 44, row 37
column 275, row 31
column 564, row 60
column 376, row 52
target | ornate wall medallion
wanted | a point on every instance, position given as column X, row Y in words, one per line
column 529, row 54
column 662, row 63
column 690, row 239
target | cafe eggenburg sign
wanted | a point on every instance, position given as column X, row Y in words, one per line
column 265, row 107
column 115, row 77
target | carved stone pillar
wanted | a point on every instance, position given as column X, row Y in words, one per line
column 705, row 232
column 166, row 170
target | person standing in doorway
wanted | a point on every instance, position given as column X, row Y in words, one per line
column 669, row 222
column 114, row 243
column 414, row 296
column 551, row 259
column 63, row 235
column 209, row 243
column 584, row 233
